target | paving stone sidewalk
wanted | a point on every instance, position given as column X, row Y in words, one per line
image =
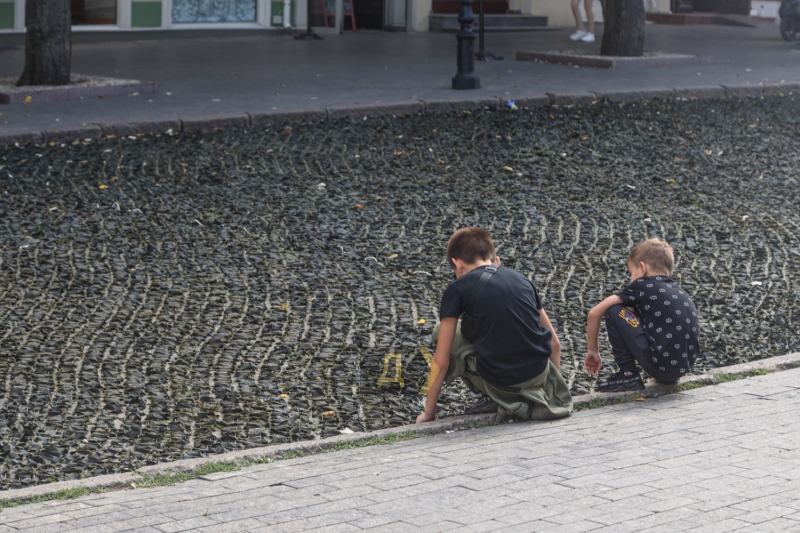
column 209, row 77
column 718, row 458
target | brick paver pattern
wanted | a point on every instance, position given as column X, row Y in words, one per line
column 721, row 458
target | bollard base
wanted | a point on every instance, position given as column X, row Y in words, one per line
column 465, row 82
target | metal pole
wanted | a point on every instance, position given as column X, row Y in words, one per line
column 480, row 30
column 465, row 78
column 287, row 13
column 482, row 54
column 308, row 33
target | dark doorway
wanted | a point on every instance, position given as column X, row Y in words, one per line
column 369, row 14
column 94, row 11
column 490, row 7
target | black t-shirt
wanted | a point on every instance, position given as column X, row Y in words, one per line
column 669, row 319
column 512, row 345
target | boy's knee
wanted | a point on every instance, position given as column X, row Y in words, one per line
column 435, row 334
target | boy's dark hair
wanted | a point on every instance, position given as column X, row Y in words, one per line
column 655, row 253
column 470, row 244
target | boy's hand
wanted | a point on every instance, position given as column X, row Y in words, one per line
column 425, row 418
column 593, row 362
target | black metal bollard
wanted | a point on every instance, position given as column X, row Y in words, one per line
column 465, row 78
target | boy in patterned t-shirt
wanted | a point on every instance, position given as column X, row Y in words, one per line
column 652, row 322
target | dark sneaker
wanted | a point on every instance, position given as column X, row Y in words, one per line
column 624, row 380
column 484, row 405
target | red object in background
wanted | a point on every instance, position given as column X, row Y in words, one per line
column 329, row 11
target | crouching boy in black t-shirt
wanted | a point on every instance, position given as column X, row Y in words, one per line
column 505, row 346
column 652, row 322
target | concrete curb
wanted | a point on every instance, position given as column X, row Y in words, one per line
column 263, row 118
column 59, row 94
column 577, row 98
column 637, row 95
column 402, row 108
column 566, row 58
column 90, row 131
column 444, row 105
column 215, row 122
column 704, row 92
column 116, row 481
column 134, row 128
column 407, row 107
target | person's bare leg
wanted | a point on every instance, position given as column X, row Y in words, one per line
column 589, row 14
column 576, row 12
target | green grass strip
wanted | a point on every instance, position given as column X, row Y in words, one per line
column 725, row 378
column 63, row 494
column 683, row 387
column 172, row 477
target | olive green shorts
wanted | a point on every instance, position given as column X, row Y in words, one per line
column 543, row 397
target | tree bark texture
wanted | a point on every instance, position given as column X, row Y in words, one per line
column 623, row 28
column 48, row 43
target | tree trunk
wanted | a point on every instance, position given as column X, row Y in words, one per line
column 48, row 43
column 623, row 28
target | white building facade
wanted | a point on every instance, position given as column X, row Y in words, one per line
column 403, row 15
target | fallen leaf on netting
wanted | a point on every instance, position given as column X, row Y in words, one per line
column 288, row 129
column 584, row 138
column 103, row 187
column 329, row 413
column 398, row 154
column 284, row 305
column 508, row 169
column 708, row 152
column 678, row 159
column 284, row 396
column 358, row 206
column 640, row 399
column 346, row 431
column 393, row 256
column 421, row 321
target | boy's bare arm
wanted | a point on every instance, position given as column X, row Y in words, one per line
column 555, row 345
column 441, row 360
column 593, row 362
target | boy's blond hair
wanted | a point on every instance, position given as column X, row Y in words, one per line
column 655, row 253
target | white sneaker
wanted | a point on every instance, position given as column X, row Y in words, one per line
column 588, row 38
column 578, row 35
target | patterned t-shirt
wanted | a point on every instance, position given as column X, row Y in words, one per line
column 669, row 319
